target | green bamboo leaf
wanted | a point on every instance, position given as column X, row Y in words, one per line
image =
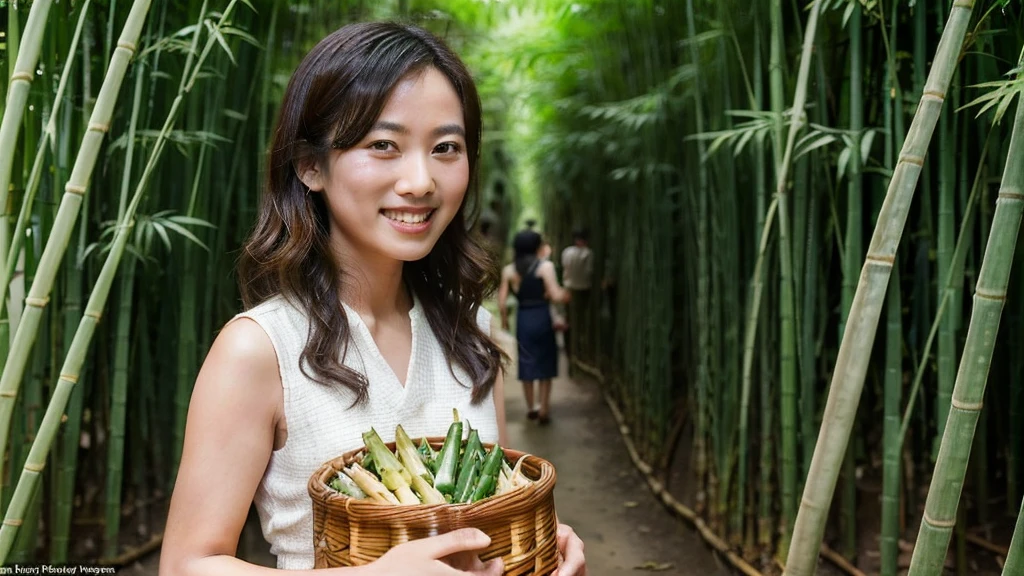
column 866, row 140
column 158, row 228
column 216, row 34
column 184, row 232
column 191, row 221
column 241, row 34
column 812, row 141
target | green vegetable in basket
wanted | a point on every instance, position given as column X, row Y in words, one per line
column 369, row 465
column 428, row 494
column 429, row 455
column 469, row 455
column 390, row 469
column 464, row 490
column 448, row 459
column 489, row 474
column 409, row 456
column 342, row 483
column 370, row 484
column 474, row 449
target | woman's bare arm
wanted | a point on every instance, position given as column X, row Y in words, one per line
column 236, row 405
column 499, row 396
column 503, row 297
column 552, row 288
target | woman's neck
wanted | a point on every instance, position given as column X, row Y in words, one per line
column 373, row 287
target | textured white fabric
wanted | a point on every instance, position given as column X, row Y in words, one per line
column 322, row 424
column 577, row 267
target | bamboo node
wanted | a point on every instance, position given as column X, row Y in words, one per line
column 939, row 97
column 37, row 468
column 23, row 76
column 994, row 296
column 8, row 393
column 939, row 523
column 74, row 189
column 129, row 46
column 94, row 315
column 881, row 259
column 69, row 378
column 37, row 302
column 99, row 127
column 1011, row 193
column 910, row 159
column 967, row 406
column 969, row 4
column 13, row 522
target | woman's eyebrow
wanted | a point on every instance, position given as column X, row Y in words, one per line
column 448, row 130
column 443, row 130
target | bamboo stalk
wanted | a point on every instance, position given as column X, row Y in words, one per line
column 940, row 515
column 788, row 343
column 22, row 74
column 48, row 142
column 749, row 342
column 67, row 213
column 854, row 351
column 122, row 340
column 854, row 257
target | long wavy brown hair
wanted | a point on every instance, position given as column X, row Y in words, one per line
column 332, row 100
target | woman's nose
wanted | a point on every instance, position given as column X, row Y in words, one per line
column 415, row 177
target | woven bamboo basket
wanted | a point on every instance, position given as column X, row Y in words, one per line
column 521, row 524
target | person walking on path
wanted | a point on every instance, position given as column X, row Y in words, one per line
column 363, row 292
column 577, row 273
column 533, row 281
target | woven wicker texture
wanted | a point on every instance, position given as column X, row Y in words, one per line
column 521, row 524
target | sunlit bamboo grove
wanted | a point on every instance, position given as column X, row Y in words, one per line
column 804, row 215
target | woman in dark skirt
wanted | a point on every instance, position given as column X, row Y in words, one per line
column 533, row 281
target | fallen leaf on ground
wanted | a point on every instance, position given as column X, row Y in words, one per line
column 652, row 566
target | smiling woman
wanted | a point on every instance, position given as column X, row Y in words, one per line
column 363, row 291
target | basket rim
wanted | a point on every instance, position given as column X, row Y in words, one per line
column 320, row 491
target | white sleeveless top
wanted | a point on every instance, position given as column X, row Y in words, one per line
column 322, row 424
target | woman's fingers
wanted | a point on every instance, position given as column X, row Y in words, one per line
column 571, row 549
column 451, row 543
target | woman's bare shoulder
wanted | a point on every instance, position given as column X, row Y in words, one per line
column 242, row 362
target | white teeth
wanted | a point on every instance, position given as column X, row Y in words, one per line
column 406, row 217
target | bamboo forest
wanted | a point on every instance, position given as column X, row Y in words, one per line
column 807, row 324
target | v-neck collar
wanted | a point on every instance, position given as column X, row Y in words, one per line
column 415, row 319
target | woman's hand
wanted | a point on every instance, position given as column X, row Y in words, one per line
column 451, row 554
column 570, row 549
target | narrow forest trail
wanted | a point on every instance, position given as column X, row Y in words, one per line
column 599, row 491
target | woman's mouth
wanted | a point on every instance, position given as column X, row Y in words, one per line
column 403, row 217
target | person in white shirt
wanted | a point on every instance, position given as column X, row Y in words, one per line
column 577, row 275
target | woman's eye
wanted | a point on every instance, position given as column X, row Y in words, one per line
column 447, row 148
column 382, row 146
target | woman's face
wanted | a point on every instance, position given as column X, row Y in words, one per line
column 393, row 194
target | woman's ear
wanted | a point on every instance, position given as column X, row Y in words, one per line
column 309, row 173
